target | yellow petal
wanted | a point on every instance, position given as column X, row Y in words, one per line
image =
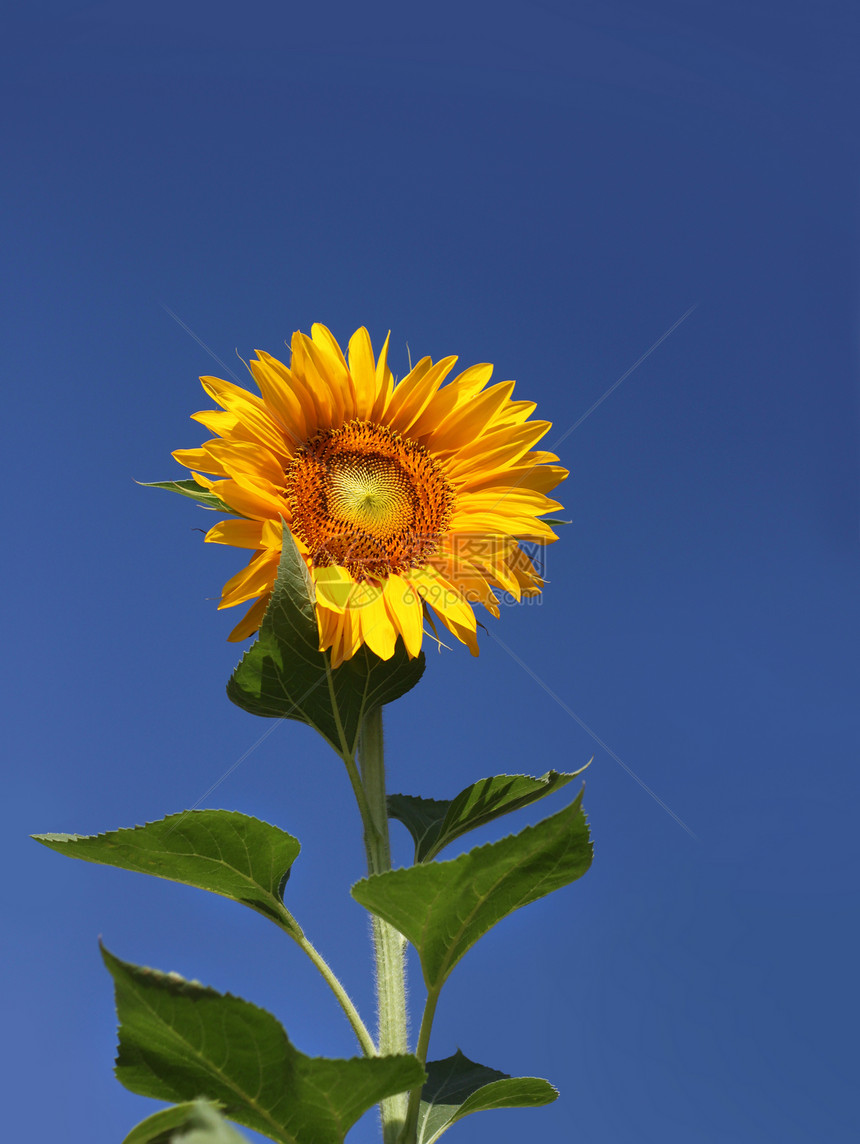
column 327, row 342
column 471, row 583
column 525, row 572
column 540, row 478
column 498, row 448
column 441, row 595
column 251, row 621
column 335, row 588
column 341, row 633
column 278, row 390
column 292, row 383
column 464, row 634
column 302, row 366
column 363, row 369
column 330, row 624
column 246, row 458
column 216, row 421
column 514, row 413
column 412, row 395
column 336, row 369
column 464, row 426
column 455, row 394
column 318, row 373
column 199, row 459
column 384, row 382
column 404, row 607
column 448, row 605
column 273, row 536
column 239, row 533
column 259, row 502
column 251, row 413
column 508, row 498
column 377, row 630
column 503, row 524
column 498, row 571
column 255, row 578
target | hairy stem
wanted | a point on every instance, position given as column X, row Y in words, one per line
column 389, row 944
column 343, row 998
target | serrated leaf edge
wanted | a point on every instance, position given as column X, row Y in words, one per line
column 577, row 802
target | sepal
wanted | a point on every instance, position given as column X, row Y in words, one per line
column 284, row 675
column 191, row 489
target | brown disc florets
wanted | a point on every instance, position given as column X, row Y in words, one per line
column 368, row 499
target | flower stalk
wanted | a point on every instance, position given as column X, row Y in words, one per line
column 389, row 945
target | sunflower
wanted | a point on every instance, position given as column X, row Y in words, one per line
column 408, row 500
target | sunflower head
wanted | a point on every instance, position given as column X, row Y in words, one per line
column 367, row 499
column 407, row 501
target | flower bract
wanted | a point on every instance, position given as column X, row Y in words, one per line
column 409, row 501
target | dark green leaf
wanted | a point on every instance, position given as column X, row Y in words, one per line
column 179, row 1040
column 422, row 817
column 457, row 1086
column 434, row 823
column 554, row 522
column 285, row 675
column 219, row 850
column 443, row 908
column 197, row 1122
column 194, row 491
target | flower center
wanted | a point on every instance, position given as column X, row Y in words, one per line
column 367, row 499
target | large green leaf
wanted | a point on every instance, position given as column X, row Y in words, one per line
column 443, row 908
column 457, row 1087
column 194, row 491
column 434, row 823
column 219, row 850
column 179, row 1041
column 285, row 675
column 195, row 1122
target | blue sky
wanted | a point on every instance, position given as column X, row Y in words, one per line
column 549, row 187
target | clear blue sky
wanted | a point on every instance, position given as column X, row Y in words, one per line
column 549, row 186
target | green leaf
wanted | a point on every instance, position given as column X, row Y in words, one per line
column 194, row 491
column 423, row 818
column 195, row 1122
column 218, row 850
column 443, row 908
column 179, row 1040
column 457, row 1087
column 284, row 675
column 554, row 522
column 434, row 823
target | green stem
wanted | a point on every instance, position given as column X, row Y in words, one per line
column 410, row 1128
column 352, row 1015
column 389, row 945
column 360, row 797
